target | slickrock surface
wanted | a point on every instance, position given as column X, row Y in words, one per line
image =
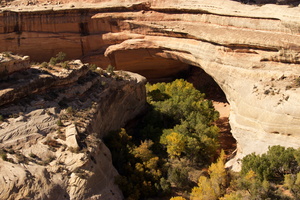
column 12, row 63
column 51, row 134
column 251, row 51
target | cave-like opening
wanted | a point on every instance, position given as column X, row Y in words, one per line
column 206, row 84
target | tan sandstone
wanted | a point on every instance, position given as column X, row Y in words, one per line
column 251, row 51
column 54, row 152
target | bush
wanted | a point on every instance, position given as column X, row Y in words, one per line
column 59, row 57
column 3, row 155
column 93, row 67
column 179, row 177
column 272, row 165
column 65, row 65
column 70, row 110
column 53, row 61
column 59, row 123
column 110, row 69
column 44, row 65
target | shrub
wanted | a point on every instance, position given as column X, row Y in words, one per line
column 271, row 165
column 44, row 65
column 59, row 57
column 59, row 123
column 65, row 65
column 93, row 67
column 70, row 110
column 110, row 69
column 179, row 177
column 53, row 61
column 3, row 155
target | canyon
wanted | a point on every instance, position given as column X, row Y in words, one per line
column 251, row 51
column 53, row 119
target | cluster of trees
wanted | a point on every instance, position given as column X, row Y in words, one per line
column 273, row 175
column 177, row 134
column 189, row 132
column 263, row 176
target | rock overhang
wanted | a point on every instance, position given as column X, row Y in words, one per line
column 247, row 49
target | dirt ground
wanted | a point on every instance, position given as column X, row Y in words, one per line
column 227, row 142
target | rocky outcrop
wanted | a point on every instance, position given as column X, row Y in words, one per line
column 51, row 138
column 11, row 63
column 251, row 51
column 19, row 85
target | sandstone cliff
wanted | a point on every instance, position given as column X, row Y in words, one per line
column 251, row 51
column 50, row 132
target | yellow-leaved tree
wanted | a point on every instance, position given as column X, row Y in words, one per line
column 177, row 198
column 143, row 151
column 212, row 187
column 149, row 164
column 175, row 144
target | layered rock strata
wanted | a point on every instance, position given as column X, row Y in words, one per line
column 50, row 136
column 252, row 54
column 251, row 51
column 11, row 63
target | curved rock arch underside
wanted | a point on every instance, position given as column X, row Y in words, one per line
column 252, row 52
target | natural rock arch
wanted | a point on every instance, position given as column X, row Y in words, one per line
column 258, row 120
column 252, row 52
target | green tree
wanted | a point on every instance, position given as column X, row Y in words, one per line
column 60, row 56
column 179, row 177
column 271, row 165
column 179, row 124
column 292, row 182
column 186, row 112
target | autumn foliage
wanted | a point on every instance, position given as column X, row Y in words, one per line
column 177, row 134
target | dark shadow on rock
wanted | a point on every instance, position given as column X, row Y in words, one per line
column 261, row 2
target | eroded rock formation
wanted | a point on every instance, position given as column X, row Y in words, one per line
column 51, row 130
column 251, row 51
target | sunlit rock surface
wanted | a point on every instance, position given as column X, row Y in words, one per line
column 52, row 126
column 251, row 51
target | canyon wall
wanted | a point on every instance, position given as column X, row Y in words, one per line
column 252, row 52
column 51, row 130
